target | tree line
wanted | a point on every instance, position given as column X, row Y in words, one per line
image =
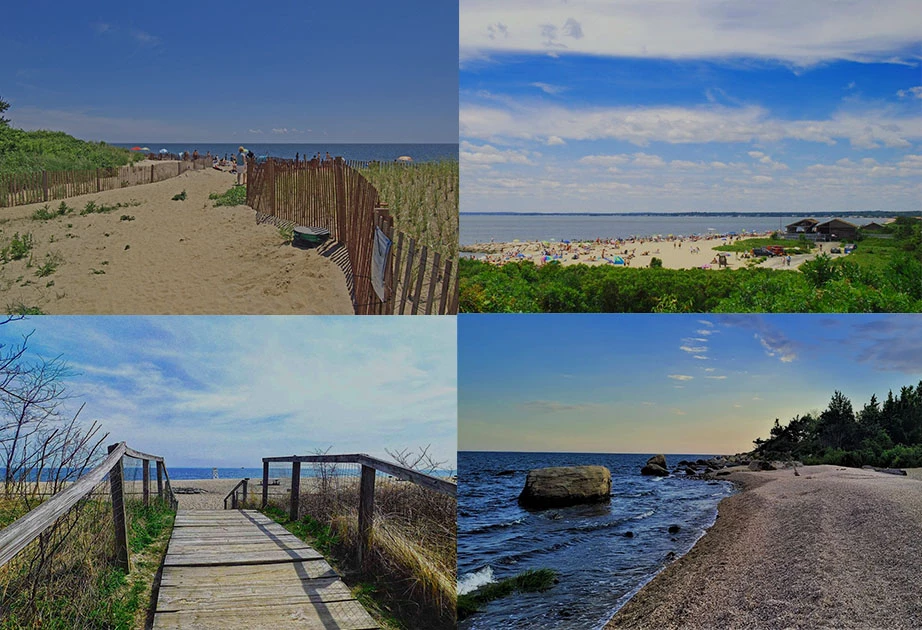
column 887, row 434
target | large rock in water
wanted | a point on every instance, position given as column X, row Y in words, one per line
column 656, row 465
column 561, row 486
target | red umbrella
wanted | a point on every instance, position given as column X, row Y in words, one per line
column 135, row 148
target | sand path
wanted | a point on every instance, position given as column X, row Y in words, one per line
column 174, row 257
column 832, row 548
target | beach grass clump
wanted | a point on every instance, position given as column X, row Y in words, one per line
column 53, row 260
column 413, row 556
column 20, row 308
column 236, row 196
column 92, row 207
column 531, row 581
column 180, row 196
column 423, row 200
column 45, row 213
column 18, row 247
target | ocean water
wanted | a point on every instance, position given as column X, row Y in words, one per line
column 379, row 152
column 134, row 470
column 599, row 567
column 482, row 228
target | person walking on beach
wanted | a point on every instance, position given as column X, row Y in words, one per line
column 241, row 167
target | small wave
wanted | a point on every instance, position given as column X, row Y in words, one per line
column 472, row 581
column 494, row 526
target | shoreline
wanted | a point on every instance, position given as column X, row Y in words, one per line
column 832, row 547
column 689, row 252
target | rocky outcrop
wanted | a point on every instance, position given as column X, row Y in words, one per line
column 758, row 464
column 656, row 465
column 889, row 471
column 561, row 486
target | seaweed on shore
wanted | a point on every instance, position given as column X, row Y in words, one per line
column 531, row 581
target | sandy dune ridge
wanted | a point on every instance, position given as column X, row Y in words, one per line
column 173, row 257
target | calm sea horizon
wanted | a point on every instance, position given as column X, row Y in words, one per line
column 361, row 152
column 483, row 228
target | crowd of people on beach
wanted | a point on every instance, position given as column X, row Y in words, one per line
column 613, row 251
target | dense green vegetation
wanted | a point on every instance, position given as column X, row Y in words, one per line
column 888, row 434
column 747, row 244
column 78, row 591
column 235, row 196
column 26, row 151
column 882, row 275
column 531, row 581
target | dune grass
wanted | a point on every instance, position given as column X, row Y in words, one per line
column 69, row 580
column 410, row 570
column 423, row 199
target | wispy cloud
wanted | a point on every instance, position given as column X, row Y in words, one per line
column 548, row 88
column 681, row 377
column 800, row 34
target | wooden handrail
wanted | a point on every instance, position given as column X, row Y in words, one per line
column 401, row 472
column 243, row 482
column 16, row 536
column 366, row 505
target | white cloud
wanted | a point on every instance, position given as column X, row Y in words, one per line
column 914, row 92
column 470, row 153
column 684, row 125
column 547, row 88
column 799, row 33
column 717, row 378
column 681, row 377
column 693, row 349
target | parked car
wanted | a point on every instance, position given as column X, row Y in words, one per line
column 760, row 251
column 776, row 250
column 835, row 250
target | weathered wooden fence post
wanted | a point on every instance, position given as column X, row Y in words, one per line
column 265, row 484
column 145, row 481
column 97, row 180
column 295, row 490
column 160, row 480
column 366, row 513
column 45, row 185
column 151, row 173
column 246, row 481
column 118, row 514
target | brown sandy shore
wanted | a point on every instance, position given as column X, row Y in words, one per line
column 175, row 257
column 832, row 548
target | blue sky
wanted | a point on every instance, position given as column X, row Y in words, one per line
column 227, row 391
column 672, row 383
column 362, row 71
column 633, row 106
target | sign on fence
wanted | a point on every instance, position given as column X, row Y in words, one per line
column 379, row 263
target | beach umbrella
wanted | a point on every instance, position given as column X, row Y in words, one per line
column 135, row 149
column 145, row 148
column 163, row 151
column 404, row 158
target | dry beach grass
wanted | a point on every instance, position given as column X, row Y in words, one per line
column 831, row 548
column 164, row 257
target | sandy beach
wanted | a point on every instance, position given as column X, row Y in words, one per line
column 831, row 548
column 172, row 257
column 689, row 253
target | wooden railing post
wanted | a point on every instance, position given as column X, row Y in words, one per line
column 366, row 513
column 145, row 481
column 246, row 481
column 118, row 515
column 295, row 490
column 160, row 480
column 265, row 484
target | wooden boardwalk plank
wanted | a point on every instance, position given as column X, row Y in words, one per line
column 239, row 569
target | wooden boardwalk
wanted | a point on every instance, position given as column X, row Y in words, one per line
column 238, row 569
